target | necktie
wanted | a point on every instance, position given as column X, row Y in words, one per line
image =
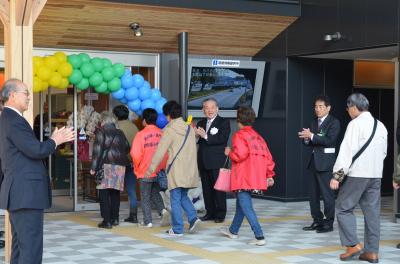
column 208, row 124
column 319, row 123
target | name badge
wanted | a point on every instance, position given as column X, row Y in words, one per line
column 329, row 150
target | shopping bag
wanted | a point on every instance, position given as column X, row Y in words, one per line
column 223, row 182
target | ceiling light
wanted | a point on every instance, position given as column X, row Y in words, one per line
column 137, row 29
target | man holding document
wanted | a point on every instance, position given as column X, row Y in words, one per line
column 322, row 138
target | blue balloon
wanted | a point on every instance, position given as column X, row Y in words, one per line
column 159, row 105
column 161, row 121
column 123, row 100
column 146, row 84
column 144, row 93
column 118, row 94
column 127, row 81
column 131, row 93
column 139, row 112
column 138, row 80
column 147, row 104
column 134, row 105
column 127, row 72
column 155, row 94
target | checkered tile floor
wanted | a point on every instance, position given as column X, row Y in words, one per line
column 73, row 238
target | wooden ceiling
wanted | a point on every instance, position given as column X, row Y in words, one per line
column 100, row 25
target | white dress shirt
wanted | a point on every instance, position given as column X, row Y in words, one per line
column 370, row 163
column 208, row 125
column 320, row 123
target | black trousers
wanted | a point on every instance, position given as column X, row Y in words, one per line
column 319, row 186
column 109, row 204
column 27, row 236
column 215, row 201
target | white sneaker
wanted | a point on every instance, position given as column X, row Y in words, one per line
column 149, row 225
column 257, row 242
column 225, row 231
column 165, row 218
column 171, row 233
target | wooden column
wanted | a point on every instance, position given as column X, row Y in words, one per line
column 18, row 17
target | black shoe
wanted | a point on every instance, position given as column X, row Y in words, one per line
column 2, row 243
column 1, row 233
column 207, row 218
column 398, row 246
column 106, row 225
column 324, row 229
column 219, row 220
column 312, row 227
column 132, row 218
column 115, row 222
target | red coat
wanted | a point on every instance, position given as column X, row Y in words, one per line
column 252, row 162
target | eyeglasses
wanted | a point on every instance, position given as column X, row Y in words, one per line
column 26, row 92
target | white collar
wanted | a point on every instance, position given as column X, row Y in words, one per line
column 323, row 118
column 12, row 108
column 212, row 119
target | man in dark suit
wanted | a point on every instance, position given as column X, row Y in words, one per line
column 322, row 138
column 25, row 190
column 213, row 133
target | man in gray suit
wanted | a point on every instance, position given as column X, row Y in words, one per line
column 25, row 189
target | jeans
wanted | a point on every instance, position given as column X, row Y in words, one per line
column 130, row 181
column 179, row 200
column 244, row 208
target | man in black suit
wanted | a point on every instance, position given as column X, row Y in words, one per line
column 25, row 190
column 213, row 133
column 322, row 138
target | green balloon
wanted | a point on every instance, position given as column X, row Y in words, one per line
column 83, row 84
column 102, row 88
column 84, row 57
column 119, row 69
column 75, row 61
column 75, row 77
column 87, row 69
column 96, row 79
column 106, row 63
column 97, row 64
column 108, row 74
column 114, row 84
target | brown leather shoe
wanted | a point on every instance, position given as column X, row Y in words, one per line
column 351, row 252
column 369, row 256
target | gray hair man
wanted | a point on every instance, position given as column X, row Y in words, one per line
column 362, row 179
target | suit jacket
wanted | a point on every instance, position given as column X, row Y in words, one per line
column 324, row 140
column 26, row 183
column 211, row 151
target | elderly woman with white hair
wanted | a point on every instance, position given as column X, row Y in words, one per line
column 109, row 159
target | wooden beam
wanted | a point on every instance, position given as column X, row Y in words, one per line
column 37, row 9
column 4, row 12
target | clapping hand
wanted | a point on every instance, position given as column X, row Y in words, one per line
column 305, row 134
column 63, row 135
column 200, row 132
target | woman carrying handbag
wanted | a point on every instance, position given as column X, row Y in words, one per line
column 252, row 172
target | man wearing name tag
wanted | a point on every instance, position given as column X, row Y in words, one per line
column 322, row 138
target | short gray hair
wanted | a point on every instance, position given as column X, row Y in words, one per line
column 9, row 86
column 359, row 101
column 108, row 118
column 212, row 99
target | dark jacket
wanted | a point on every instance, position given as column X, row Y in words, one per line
column 111, row 144
column 26, row 183
column 324, row 138
column 211, row 151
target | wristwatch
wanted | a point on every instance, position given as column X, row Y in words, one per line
column 339, row 175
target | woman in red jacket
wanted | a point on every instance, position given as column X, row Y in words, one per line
column 252, row 172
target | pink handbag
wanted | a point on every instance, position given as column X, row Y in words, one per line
column 223, row 182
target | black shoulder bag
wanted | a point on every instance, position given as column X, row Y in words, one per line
column 339, row 175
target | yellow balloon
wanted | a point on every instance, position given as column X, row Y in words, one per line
column 51, row 62
column 64, row 83
column 37, row 85
column 44, row 73
column 61, row 57
column 55, row 80
column 45, row 85
column 65, row 69
column 37, row 61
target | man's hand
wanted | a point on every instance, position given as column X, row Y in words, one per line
column 270, row 182
column 305, row 134
column 227, row 151
column 396, row 185
column 334, row 184
column 63, row 135
column 200, row 132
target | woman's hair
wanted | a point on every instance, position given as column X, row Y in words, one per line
column 173, row 109
column 246, row 115
column 150, row 116
column 121, row 112
column 108, row 118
